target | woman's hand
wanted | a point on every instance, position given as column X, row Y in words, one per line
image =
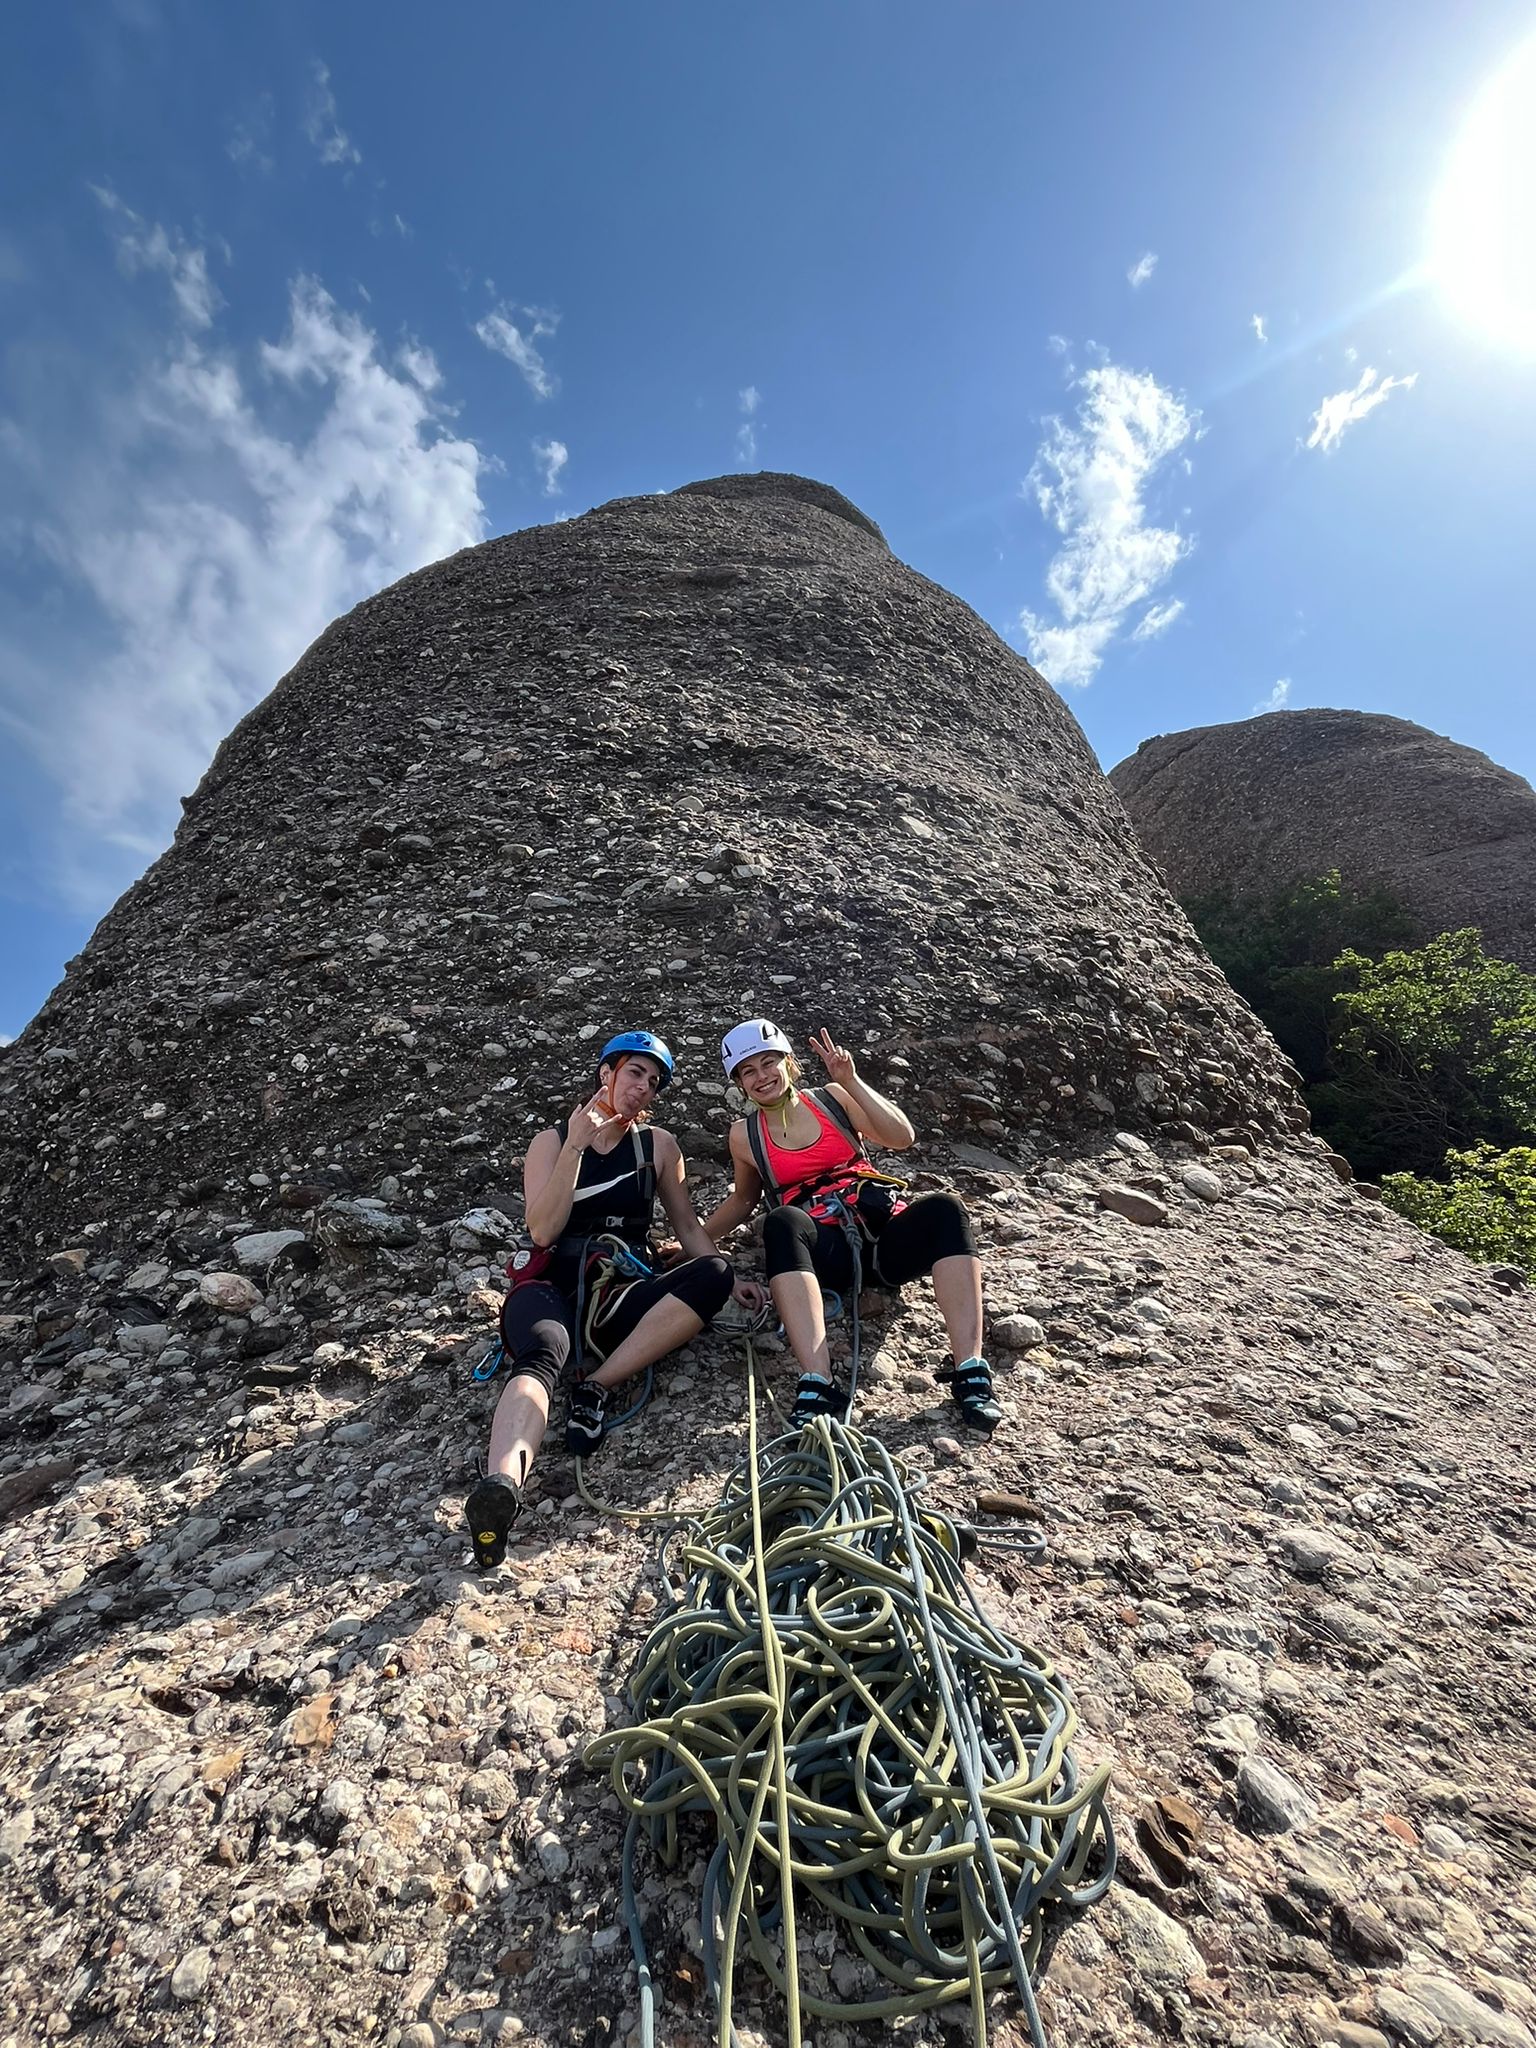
column 591, row 1120
column 837, row 1059
column 751, row 1294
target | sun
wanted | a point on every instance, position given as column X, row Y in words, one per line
column 1483, row 230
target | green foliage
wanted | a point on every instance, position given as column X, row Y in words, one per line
column 1281, row 956
column 1411, row 1049
column 1487, row 1208
column 1431, row 1050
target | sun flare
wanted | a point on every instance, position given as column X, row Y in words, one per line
column 1483, row 234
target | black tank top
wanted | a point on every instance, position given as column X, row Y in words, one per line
column 616, row 1190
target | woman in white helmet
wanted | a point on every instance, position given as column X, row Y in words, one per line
column 804, row 1150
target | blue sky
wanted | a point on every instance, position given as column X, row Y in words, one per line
column 1120, row 320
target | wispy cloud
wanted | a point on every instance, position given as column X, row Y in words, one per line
column 222, row 522
column 551, row 456
column 321, row 124
column 1344, row 408
column 1141, row 270
column 1157, row 619
column 1277, row 699
column 250, row 139
column 1090, row 479
column 748, row 399
column 141, row 246
column 1256, row 321
column 517, row 339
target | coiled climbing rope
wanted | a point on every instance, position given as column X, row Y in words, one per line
column 871, row 1747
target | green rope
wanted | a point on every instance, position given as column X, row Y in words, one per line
column 868, row 1743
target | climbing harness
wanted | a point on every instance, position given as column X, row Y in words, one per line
column 873, row 1749
column 608, row 1267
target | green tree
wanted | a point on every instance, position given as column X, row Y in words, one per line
column 1485, row 1207
column 1281, row 954
column 1432, row 1050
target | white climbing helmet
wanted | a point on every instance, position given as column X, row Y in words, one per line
column 756, row 1035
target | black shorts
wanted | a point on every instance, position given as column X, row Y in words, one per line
column 538, row 1322
column 933, row 1227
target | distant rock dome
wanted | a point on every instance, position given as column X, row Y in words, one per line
column 1253, row 806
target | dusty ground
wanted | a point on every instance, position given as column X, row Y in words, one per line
column 276, row 1766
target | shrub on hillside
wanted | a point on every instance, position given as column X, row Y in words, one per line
column 1433, row 1050
column 1282, row 955
column 1486, row 1207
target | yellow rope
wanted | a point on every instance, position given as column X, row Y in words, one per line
column 825, row 1663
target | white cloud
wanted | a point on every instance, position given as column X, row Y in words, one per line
column 1344, row 408
column 5, row 1039
column 1157, row 619
column 1257, row 323
column 519, row 344
column 551, row 456
column 321, row 125
column 142, row 247
column 1089, row 480
column 748, row 400
column 249, row 140
column 1277, row 699
column 1141, row 270
column 230, row 513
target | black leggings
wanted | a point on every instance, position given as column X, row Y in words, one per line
column 538, row 1322
column 933, row 1227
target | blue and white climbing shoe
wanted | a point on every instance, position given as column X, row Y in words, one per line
column 970, row 1388
column 586, row 1418
column 815, row 1396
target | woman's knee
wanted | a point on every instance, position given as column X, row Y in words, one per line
column 789, row 1242
column 536, row 1350
column 948, row 1224
column 705, row 1284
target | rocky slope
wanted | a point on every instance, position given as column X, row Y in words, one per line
column 275, row 1765
column 1255, row 805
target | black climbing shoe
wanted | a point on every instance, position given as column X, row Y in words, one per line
column 494, row 1504
column 817, row 1396
column 970, row 1388
column 584, row 1420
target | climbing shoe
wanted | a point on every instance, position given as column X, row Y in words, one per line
column 970, row 1388
column 817, row 1396
column 494, row 1504
column 585, row 1420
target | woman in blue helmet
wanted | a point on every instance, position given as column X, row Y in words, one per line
column 598, row 1179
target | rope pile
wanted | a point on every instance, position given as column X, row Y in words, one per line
column 825, row 1686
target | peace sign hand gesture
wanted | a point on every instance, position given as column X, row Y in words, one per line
column 837, row 1059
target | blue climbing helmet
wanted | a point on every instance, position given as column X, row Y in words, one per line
column 646, row 1042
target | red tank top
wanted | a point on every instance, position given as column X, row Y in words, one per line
column 794, row 1166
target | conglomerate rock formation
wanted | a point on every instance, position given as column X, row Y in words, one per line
column 275, row 1765
column 1253, row 806
column 681, row 760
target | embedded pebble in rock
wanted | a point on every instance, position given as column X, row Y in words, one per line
column 231, row 1293
column 1467, row 2016
column 189, row 1979
column 254, row 1701
column 1017, row 1333
column 1269, row 1801
column 1155, row 1946
column 261, row 1247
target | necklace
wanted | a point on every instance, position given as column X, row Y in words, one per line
column 785, row 1106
